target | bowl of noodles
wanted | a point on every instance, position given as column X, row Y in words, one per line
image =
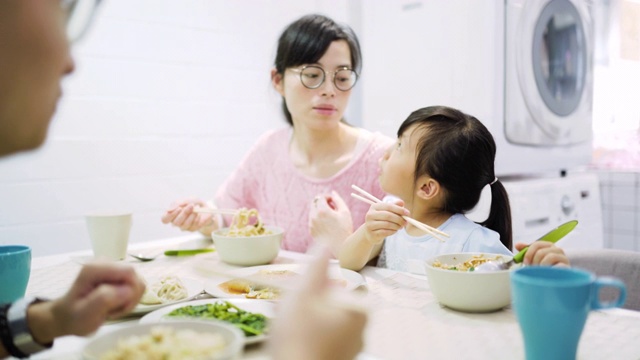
column 170, row 340
column 456, row 285
column 247, row 241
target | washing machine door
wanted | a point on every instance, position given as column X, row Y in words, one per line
column 552, row 61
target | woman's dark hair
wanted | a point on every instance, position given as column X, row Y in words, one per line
column 458, row 151
column 307, row 39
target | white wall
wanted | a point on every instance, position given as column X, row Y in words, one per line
column 621, row 208
column 166, row 98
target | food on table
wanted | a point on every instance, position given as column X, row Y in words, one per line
column 167, row 289
column 168, row 344
column 254, row 288
column 251, row 290
column 247, row 222
column 469, row 265
column 251, row 323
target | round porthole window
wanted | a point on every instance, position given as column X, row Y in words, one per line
column 560, row 57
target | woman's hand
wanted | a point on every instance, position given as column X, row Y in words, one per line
column 310, row 325
column 384, row 219
column 330, row 220
column 543, row 253
column 181, row 215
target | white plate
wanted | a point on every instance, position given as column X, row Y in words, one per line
column 264, row 307
column 193, row 286
column 354, row 279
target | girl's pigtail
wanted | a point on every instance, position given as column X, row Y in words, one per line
column 499, row 219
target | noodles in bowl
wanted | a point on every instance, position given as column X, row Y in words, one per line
column 457, row 287
column 247, row 222
column 170, row 340
column 247, row 241
column 468, row 265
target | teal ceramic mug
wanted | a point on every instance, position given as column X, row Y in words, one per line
column 15, row 268
column 552, row 305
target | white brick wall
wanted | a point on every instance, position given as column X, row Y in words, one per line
column 621, row 209
column 166, row 98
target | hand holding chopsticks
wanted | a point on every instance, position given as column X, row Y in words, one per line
column 185, row 215
column 370, row 199
column 208, row 210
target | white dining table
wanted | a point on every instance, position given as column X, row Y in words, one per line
column 405, row 320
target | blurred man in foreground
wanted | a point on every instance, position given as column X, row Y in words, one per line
column 34, row 57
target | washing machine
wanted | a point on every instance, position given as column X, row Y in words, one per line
column 539, row 205
column 549, row 77
column 524, row 68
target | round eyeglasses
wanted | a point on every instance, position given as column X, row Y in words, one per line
column 313, row 76
column 79, row 14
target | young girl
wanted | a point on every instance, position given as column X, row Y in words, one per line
column 438, row 168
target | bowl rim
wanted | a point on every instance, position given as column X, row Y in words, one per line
column 233, row 347
column 276, row 230
column 430, row 261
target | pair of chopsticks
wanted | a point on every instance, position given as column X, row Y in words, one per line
column 214, row 211
column 370, row 199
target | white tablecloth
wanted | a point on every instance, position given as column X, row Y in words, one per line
column 405, row 320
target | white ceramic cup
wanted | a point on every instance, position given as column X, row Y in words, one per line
column 109, row 233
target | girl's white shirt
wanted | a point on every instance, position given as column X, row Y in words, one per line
column 404, row 252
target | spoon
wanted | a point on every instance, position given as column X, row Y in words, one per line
column 143, row 258
column 552, row 236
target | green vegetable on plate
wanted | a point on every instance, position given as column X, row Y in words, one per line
column 251, row 323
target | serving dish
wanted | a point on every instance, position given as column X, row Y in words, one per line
column 194, row 288
column 348, row 279
column 266, row 308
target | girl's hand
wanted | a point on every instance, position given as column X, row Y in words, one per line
column 182, row 216
column 543, row 253
column 384, row 219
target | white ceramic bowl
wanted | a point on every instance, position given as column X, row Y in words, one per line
column 232, row 336
column 248, row 250
column 469, row 291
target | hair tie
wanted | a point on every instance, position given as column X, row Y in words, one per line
column 495, row 179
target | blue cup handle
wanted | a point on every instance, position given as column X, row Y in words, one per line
column 603, row 282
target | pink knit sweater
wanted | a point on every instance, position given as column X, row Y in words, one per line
column 267, row 180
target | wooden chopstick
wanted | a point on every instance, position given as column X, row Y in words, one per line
column 362, row 199
column 214, row 211
column 375, row 199
column 365, row 193
column 370, row 199
column 426, row 228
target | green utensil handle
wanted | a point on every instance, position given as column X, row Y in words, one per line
column 520, row 255
column 552, row 236
column 187, row 252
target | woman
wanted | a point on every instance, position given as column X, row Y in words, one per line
column 297, row 177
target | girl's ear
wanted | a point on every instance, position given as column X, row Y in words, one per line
column 277, row 81
column 429, row 188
